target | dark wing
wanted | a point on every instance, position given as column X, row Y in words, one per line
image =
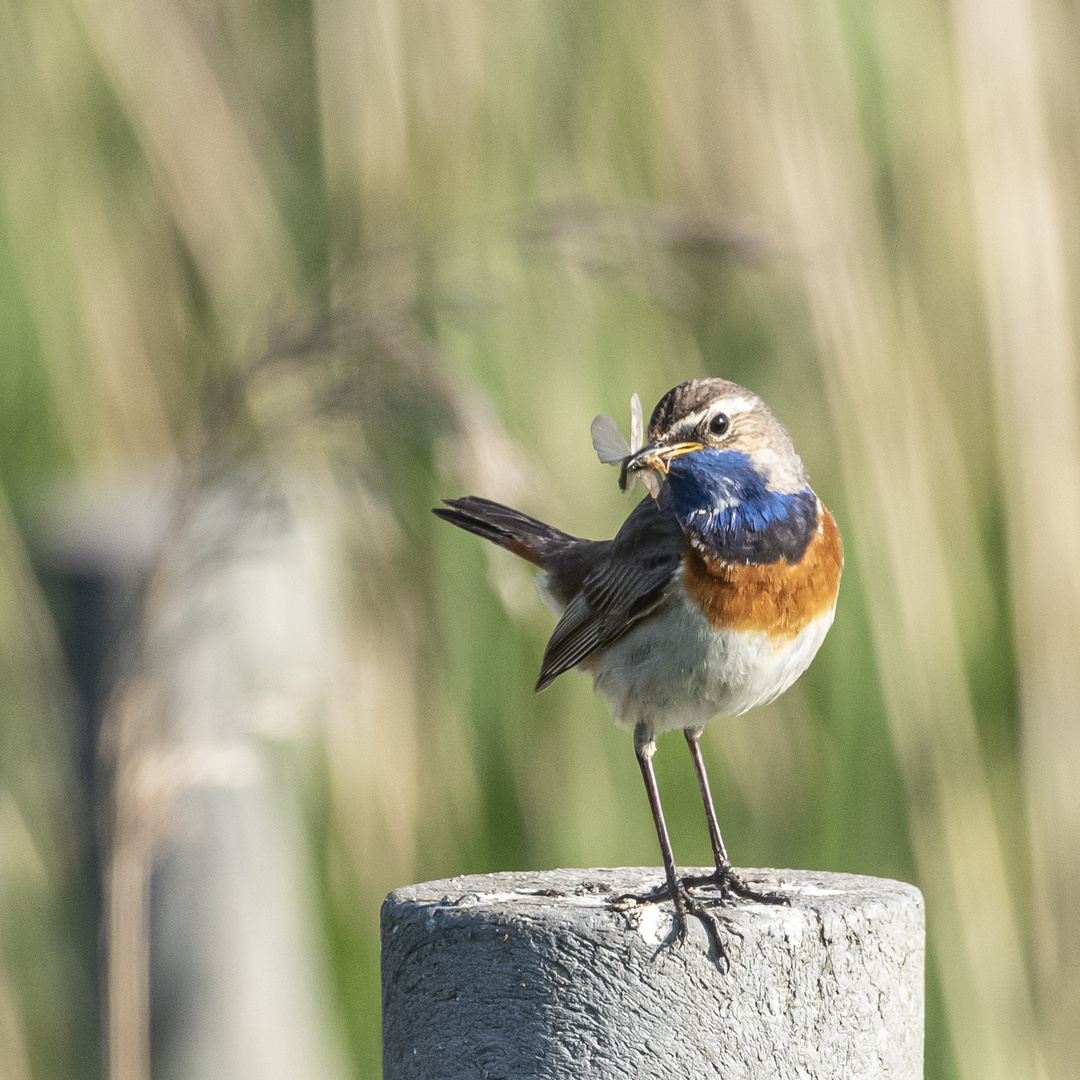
column 625, row 580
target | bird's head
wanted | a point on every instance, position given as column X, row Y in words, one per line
column 714, row 428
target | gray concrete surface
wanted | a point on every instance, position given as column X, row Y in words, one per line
column 515, row 975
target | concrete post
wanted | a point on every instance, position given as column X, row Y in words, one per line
column 539, row 975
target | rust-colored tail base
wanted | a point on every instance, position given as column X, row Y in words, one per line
column 511, row 529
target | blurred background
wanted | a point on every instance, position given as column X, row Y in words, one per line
column 275, row 277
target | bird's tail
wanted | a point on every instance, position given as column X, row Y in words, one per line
column 511, row 529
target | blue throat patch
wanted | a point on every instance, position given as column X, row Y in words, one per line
column 722, row 499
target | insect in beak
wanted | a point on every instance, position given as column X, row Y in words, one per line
column 658, row 456
column 613, row 449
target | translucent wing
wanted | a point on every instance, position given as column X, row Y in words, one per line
column 637, row 425
column 608, row 442
column 612, row 449
column 637, row 441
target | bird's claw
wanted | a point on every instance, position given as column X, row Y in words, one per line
column 708, row 920
column 653, row 896
column 685, row 904
column 732, row 885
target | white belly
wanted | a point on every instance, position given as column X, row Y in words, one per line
column 673, row 670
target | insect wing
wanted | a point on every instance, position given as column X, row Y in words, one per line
column 637, row 425
column 608, row 442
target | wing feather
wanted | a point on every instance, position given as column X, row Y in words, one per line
column 627, row 582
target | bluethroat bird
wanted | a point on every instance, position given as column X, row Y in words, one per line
column 713, row 597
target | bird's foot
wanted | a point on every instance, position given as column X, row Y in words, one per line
column 731, row 885
column 685, row 904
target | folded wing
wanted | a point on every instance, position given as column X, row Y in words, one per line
column 625, row 582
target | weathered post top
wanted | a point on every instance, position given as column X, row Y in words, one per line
column 540, row 975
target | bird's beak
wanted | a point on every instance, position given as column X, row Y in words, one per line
column 658, row 455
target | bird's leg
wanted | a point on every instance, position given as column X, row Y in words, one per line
column 674, row 889
column 645, row 747
column 725, row 878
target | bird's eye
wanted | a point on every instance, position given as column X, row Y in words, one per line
column 719, row 424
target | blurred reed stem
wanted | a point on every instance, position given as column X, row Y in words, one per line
column 129, row 937
column 878, row 408
column 41, row 817
column 1017, row 202
column 201, row 157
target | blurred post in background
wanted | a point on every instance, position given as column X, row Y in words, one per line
column 299, row 270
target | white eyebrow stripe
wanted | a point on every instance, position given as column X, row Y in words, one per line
column 690, row 422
